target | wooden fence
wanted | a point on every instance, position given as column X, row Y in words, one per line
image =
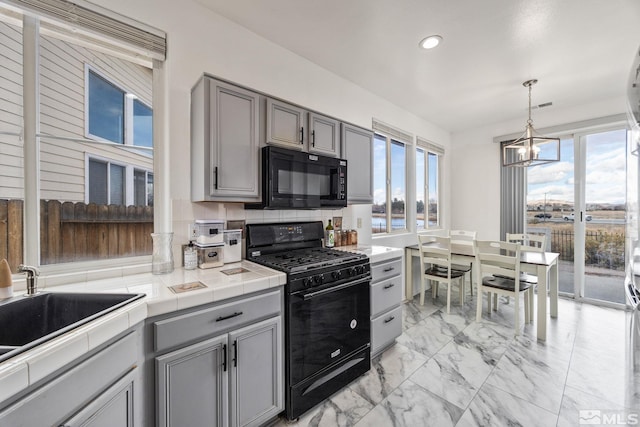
column 77, row 231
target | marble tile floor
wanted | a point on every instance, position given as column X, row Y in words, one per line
column 449, row 370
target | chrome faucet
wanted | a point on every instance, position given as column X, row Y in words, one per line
column 32, row 281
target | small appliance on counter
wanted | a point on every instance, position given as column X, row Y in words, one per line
column 209, row 231
column 210, row 256
column 232, row 246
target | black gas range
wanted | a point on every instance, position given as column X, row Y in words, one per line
column 327, row 327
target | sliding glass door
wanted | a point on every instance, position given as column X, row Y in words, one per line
column 579, row 203
column 603, row 221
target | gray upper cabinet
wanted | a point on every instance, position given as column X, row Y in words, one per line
column 285, row 125
column 357, row 148
column 225, row 139
column 324, row 135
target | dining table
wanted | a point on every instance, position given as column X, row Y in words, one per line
column 542, row 264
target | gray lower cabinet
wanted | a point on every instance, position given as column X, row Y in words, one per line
column 357, row 149
column 97, row 390
column 112, row 408
column 225, row 140
column 234, row 377
column 386, row 300
column 192, row 385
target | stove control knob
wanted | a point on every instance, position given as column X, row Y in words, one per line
column 318, row 279
column 351, row 271
column 360, row 269
column 336, row 275
column 307, row 282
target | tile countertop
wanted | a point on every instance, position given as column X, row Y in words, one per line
column 33, row 365
column 27, row 368
column 375, row 253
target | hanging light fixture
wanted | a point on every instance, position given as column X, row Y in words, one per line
column 530, row 149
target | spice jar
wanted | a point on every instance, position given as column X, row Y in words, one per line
column 353, row 237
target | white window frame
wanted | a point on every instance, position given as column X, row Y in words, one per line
column 90, row 34
column 429, row 148
column 147, row 172
column 129, row 97
column 388, row 190
column 128, row 176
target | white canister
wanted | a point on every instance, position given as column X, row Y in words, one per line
column 232, row 246
column 210, row 256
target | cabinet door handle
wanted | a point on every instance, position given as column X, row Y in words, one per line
column 215, row 176
column 302, row 135
column 224, row 357
column 235, row 353
column 313, row 138
column 236, row 314
column 386, row 270
column 389, row 319
column 390, row 285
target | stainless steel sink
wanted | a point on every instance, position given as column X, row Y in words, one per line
column 26, row 322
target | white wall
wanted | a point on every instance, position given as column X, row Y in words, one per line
column 202, row 41
column 475, row 175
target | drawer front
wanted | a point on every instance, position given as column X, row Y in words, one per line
column 386, row 294
column 386, row 269
column 189, row 327
column 385, row 329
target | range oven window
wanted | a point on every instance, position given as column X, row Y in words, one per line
column 324, row 327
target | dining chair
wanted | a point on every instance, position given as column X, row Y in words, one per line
column 435, row 265
column 529, row 243
column 499, row 267
column 463, row 237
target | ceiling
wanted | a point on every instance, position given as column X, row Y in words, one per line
column 580, row 50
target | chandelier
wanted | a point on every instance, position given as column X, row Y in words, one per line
column 530, row 149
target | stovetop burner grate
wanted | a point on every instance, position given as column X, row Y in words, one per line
column 306, row 259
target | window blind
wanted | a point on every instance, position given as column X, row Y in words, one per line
column 513, row 202
column 392, row 132
column 430, row 146
column 86, row 20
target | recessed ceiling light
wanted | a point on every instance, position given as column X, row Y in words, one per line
column 430, row 42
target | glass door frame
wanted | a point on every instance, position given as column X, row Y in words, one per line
column 580, row 224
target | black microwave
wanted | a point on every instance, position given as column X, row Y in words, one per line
column 297, row 180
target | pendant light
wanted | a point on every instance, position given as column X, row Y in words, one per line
column 530, row 149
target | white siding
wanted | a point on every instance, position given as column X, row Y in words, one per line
column 62, row 113
column 11, row 165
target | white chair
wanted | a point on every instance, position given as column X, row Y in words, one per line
column 529, row 243
column 462, row 237
column 499, row 267
column 435, row 265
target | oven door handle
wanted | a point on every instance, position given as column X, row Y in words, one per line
column 311, row 295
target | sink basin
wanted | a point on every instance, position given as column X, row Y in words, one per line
column 26, row 322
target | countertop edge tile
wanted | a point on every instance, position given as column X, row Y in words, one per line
column 13, row 377
column 53, row 355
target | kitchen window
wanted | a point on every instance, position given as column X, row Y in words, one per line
column 84, row 139
column 427, row 185
column 388, row 213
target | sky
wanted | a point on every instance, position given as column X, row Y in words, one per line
column 605, row 171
